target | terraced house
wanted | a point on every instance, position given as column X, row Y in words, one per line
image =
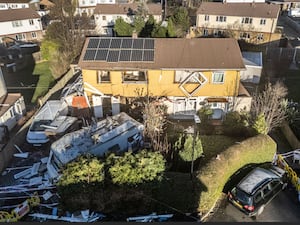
column 107, row 14
column 185, row 74
column 252, row 22
column 21, row 24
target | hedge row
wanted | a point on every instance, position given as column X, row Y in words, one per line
column 215, row 174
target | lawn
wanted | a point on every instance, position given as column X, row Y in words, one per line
column 45, row 81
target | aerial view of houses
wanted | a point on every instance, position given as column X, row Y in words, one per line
column 149, row 110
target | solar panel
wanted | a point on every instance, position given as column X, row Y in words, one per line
column 115, row 43
column 149, row 44
column 104, row 43
column 138, row 43
column 113, row 56
column 125, row 55
column 89, row 55
column 148, row 55
column 93, row 43
column 101, row 54
column 126, row 43
column 136, row 55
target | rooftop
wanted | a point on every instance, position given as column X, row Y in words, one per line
column 127, row 8
column 18, row 14
column 260, row 10
column 195, row 53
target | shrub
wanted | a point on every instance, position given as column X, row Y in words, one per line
column 235, row 124
column 215, row 174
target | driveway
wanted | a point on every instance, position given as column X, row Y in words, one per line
column 283, row 208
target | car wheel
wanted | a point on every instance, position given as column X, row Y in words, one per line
column 260, row 210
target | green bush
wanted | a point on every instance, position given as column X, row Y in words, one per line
column 235, row 125
column 215, row 174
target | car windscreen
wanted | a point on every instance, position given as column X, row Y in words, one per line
column 241, row 196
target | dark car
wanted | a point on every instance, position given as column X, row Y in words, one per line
column 257, row 189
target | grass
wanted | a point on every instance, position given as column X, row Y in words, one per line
column 45, row 80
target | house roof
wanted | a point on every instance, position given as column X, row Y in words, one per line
column 18, row 14
column 154, row 9
column 178, row 53
column 261, row 10
column 7, row 101
column 14, row 1
column 252, row 58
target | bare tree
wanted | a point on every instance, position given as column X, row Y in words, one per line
column 271, row 103
column 155, row 121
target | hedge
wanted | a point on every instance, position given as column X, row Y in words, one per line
column 215, row 174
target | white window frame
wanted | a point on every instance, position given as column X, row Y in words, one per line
column 260, row 37
column 206, row 17
column 247, row 20
column 221, row 18
column 263, row 21
column 214, row 78
column 33, row 35
column 17, row 23
column 100, row 74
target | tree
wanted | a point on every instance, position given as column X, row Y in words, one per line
column 159, row 32
column 148, row 28
column 185, row 147
column 181, row 21
column 66, row 32
column 154, row 114
column 260, row 125
column 86, row 169
column 138, row 24
column 134, row 169
column 271, row 103
column 122, row 28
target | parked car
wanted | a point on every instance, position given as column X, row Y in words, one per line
column 257, row 189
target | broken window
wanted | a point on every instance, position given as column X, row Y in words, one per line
column 134, row 76
column 103, row 76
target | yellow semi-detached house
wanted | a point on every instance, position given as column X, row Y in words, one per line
column 185, row 74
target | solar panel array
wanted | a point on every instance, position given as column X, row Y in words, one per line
column 120, row 50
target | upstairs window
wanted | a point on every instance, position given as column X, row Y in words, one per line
column 31, row 22
column 221, row 18
column 17, row 23
column 247, row 20
column 218, row 77
column 206, row 18
column 262, row 21
column 103, row 76
column 104, row 18
column 134, row 76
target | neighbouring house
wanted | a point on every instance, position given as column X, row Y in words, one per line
column 252, row 22
column 286, row 5
column 254, row 64
column 242, row 1
column 21, row 24
column 106, row 15
column 87, row 7
column 184, row 73
column 15, row 4
column 12, row 106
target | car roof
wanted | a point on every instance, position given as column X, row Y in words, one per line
column 256, row 177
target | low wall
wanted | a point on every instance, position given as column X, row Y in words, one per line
column 290, row 136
